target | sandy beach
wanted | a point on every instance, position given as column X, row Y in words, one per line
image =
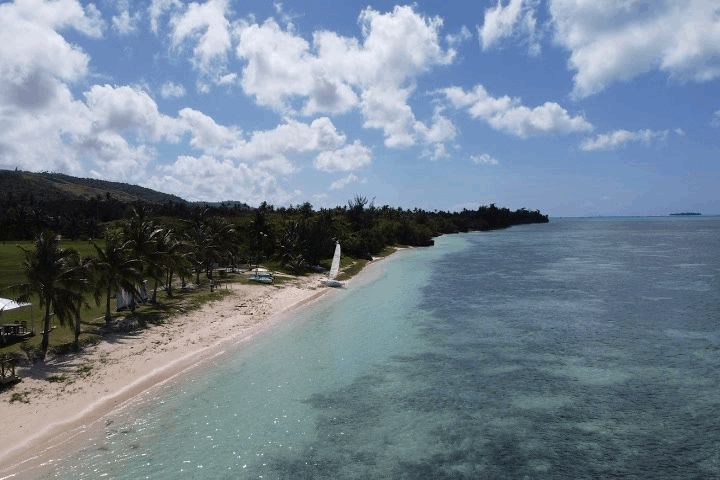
column 109, row 374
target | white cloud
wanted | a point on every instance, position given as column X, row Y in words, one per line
column 620, row 138
column 41, row 125
column 34, row 55
column 210, row 178
column 484, row 159
column 343, row 182
column 124, row 23
column 499, row 22
column 503, row 21
column 128, row 110
column 113, row 131
column 207, row 135
column 617, row 40
column 158, row 8
column 462, row 36
column 335, row 74
column 172, row 90
column 511, row 116
column 349, row 157
column 206, row 27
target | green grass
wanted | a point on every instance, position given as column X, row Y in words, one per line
column 11, row 258
column 389, row 250
column 352, row 270
column 62, row 336
column 19, row 397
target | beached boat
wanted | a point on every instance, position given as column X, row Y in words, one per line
column 334, row 269
column 261, row 276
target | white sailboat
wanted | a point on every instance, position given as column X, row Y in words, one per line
column 334, row 269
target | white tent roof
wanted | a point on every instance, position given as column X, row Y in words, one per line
column 7, row 304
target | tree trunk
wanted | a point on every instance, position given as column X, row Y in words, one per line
column 77, row 331
column 46, row 330
column 169, row 283
column 197, row 276
column 154, row 297
column 108, row 318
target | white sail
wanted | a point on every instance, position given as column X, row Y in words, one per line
column 123, row 299
column 335, row 266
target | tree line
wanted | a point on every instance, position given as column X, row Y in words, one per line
column 167, row 245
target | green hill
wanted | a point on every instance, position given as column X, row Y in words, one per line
column 48, row 187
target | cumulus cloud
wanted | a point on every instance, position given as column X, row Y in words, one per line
column 38, row 113
column 209, row 177
column 115, row 131
column 124, row 23
column 158, row 8
column 334, row 74
column 248, row 167
column 33, row 51
column 503, row 21
column 127, row 109
column 618, row 40
column 484, row 159
column 343, row 182
column 172, row 90
column 206, row 27
column 455, row 39
column 509, row 115
column 620, row 138
column 349, row 157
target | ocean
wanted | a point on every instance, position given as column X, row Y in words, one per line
column 582, row 348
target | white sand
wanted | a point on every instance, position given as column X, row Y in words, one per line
column 113, row 372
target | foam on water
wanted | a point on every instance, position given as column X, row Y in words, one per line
column 578, row 349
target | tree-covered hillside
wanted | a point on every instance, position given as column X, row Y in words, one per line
column 85, row 208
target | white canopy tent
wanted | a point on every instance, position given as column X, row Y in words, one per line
column 6, row 305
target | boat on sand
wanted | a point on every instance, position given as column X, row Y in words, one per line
column 334, row 269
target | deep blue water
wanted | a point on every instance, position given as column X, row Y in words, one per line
column 577, row 349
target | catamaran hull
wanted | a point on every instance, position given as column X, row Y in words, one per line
column 260, row 279
column 332, row 283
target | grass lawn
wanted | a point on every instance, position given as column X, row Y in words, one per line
column 11, row 258
column 93, row 316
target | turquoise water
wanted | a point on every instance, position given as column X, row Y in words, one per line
column 576, row 349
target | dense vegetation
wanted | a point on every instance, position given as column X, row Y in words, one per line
column 72, row 207
column 175, row 243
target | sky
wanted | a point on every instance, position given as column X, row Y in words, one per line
column 573, row 107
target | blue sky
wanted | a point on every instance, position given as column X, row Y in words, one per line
column 569, row 106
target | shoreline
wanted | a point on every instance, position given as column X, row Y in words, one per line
column 173, row 349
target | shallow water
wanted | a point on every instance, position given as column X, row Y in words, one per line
column 577, row 349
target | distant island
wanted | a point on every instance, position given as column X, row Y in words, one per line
column 685, row 214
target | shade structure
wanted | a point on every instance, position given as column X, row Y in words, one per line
column 6, row 304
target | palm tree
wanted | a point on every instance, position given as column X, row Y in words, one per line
column 47, row 269
column 141, row 235
column 78, row 280
column 196, row 239
column 209, row 241
column 115, row 270
column 292, row 245
column 173, row 258
column 220, row 245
